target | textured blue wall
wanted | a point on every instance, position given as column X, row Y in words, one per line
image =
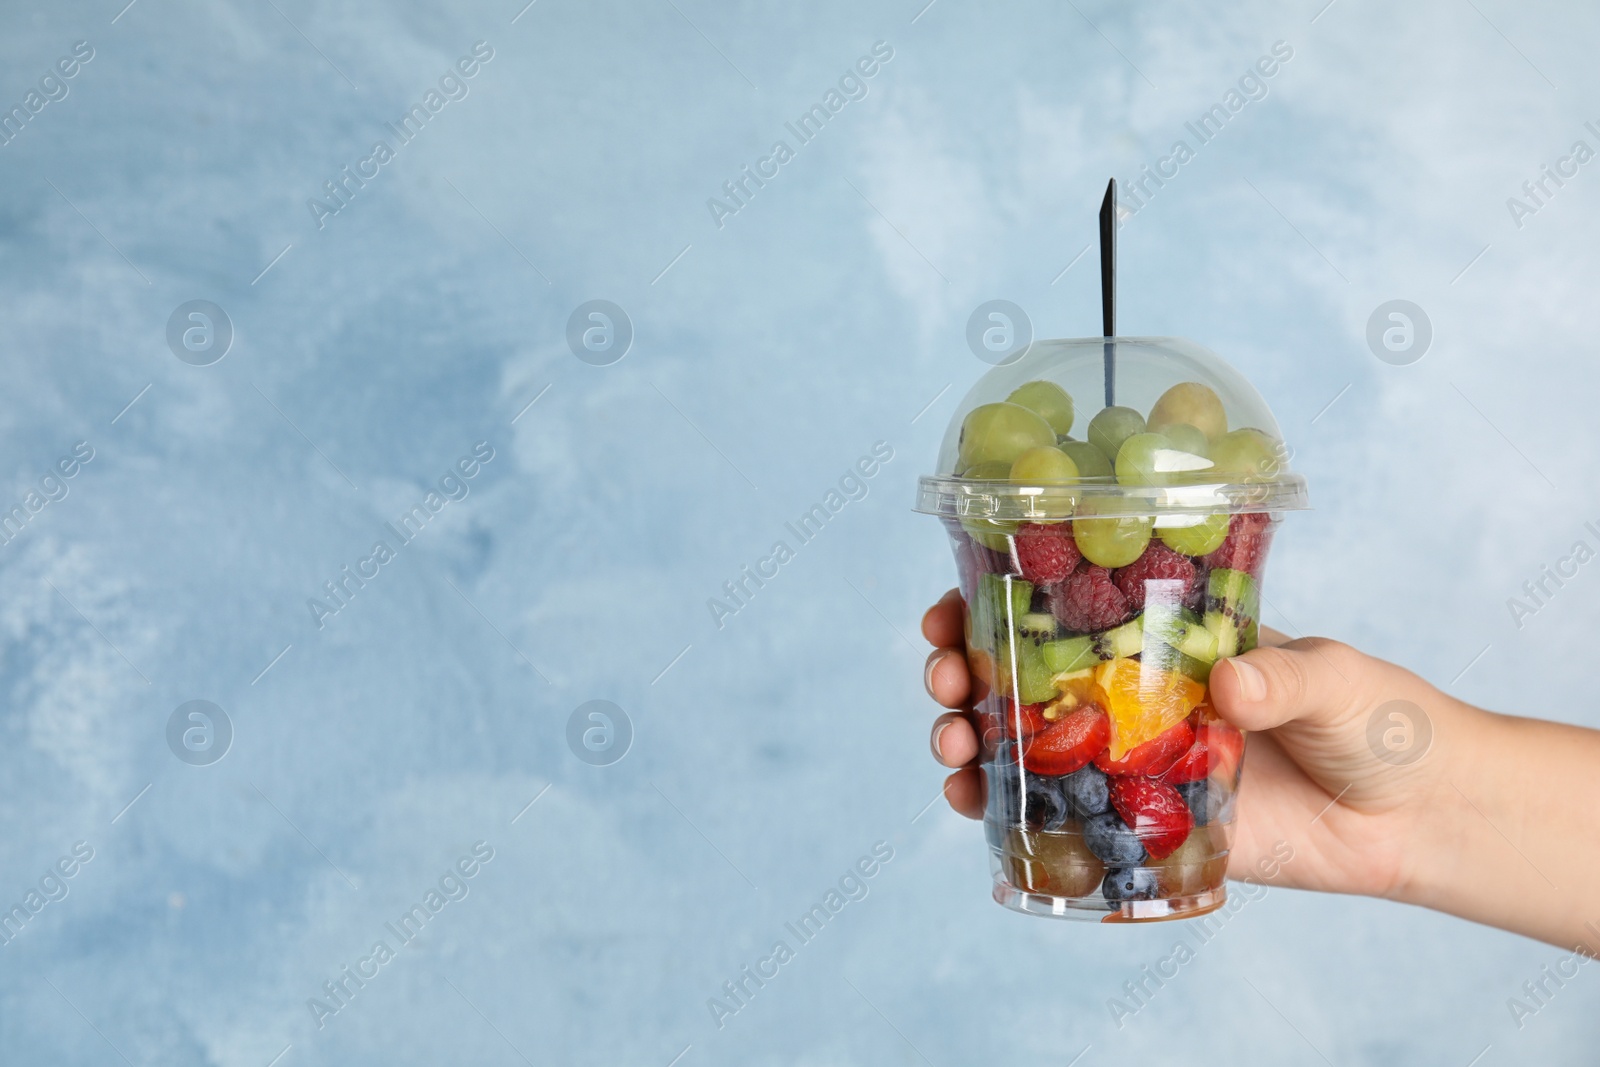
column 375, row 747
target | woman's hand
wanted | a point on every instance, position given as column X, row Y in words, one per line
column 1378, row 783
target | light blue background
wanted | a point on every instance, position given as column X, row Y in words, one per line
column 820, row 319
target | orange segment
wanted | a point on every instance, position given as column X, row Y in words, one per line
column 1144, row 701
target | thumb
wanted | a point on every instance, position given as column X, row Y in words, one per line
column 1312, row 679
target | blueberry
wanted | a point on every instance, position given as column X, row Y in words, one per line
column 1204, row 800
column 1194, row 794
column 1134, row 883
column 1085, row 789
column 1043, row 805
column 1109, row 838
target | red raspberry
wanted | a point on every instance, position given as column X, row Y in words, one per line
column 1088, row 600
column 1241, row 549
column 1046, row 554
column 1158, row 563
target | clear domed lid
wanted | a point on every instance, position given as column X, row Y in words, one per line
column 1187, row 436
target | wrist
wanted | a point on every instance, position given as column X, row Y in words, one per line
column 1446, row 830
column 1496, row 832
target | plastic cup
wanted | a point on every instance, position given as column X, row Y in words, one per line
column 1100, row 592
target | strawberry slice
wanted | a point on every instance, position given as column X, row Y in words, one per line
column 1068, row 744
column 1154, row 756
column 1192, row 766
column 1227, row 744
column 1022, row 722
column 1156, row 812
column 1217, row 747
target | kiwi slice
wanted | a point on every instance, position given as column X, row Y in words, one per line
column 1000, row 600
column 1233, row 593
column 1187, row 636
column 1198, row 669
column 1037, row 624
column 1035, row 680
column 1230, row 636
column 1070, row 654
column 1124, row 640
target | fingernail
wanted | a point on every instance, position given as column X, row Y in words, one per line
column 937, row 754
column 1252, row 683
column 927, row 673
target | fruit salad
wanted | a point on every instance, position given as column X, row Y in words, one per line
column 1092, row 630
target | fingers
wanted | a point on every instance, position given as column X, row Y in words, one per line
column 953, row 741
column 943, row 625
column 1311, row 679
column 946, row 677
column 964, row 790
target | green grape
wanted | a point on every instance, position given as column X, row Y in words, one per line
column 1115, row 541
column 1186, row 438
column 1247, row 455
column 1152, row 459
column 1140, row 460
column 1194, row 404
column 988, row 471
column 1000, row 433
column 1112, row 426
column 1038, row 467
column 1200, row 539
column 1044, row 466
column 1091, row 462
column 990, row 533
column 1049, row 400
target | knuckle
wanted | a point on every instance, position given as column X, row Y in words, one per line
column 1339, row 669
column 1293, row 676
column 1335, row 650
